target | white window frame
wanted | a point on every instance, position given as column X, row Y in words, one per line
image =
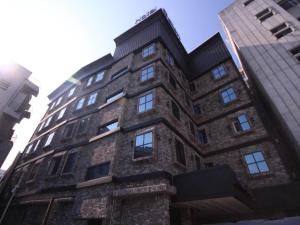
column 148, row 51
column 49, row 139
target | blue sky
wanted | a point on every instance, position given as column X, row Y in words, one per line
column 55, row 38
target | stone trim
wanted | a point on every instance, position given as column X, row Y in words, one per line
column 98, row 181
column 34, row 159
column 95, row 138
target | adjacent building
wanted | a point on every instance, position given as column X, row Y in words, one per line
column 15, row 94
column 153, row 135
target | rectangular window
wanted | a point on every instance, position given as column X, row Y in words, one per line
column 71, row 92
column 98, row 171
column 120, row 73
column 68, row 132
column 145, row 103
column 175, row 110
column 147, row 73
column 49, row 139
column 219, row 72
column 115, row 96
column 192, row 128
column 41, row 126
column 143, row 145
column 52, row 105
column 241, row 123
column 281, row 30
column 92, row 99
column 99, row 76
column 70, row 163
column 265, row 14
column 296, row 52
column 80, row 104
column 33, row 171
column 36, row 145
column 61, row 113
column 209, row 165
column 256, row 163
column 58, row 101
column 54, row 166
column 228, row 95
column 172, row 81
column 287, row 4
column 180, row 156
column 197, row 109
column 202, row 137
column 90, row 81
column 248, row 2
column 170, row 59
column 108, row 127
column 28, row 149
column 48, row 121
column 82, row 126
column 198, row 162
column 149, row 50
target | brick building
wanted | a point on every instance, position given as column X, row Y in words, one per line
column 153, row 135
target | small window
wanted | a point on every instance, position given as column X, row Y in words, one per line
column 41, row 126
column 97, row 171
column 71, row 92
column 296, row 52
column 219, row 72
column 197, row 109
column 241, row 123
column 82, row 126
column 114, row 97
column 175, row 110
column 145, row 103
column 90, row 81
column 248, row 2
column 170, row 59
column 61, row 113
column 147, row 73
column 287, row 4
column 70, row 163
column 187, row 100
column 58, row 101
column 198, row 162
column 108, row 127
column 92, row 99
column 256, row 163
column 80, row 104
column 202, row 136
column 180, row 156
column 120, row 73
column 36, row 145
column 49, row 139
column 172, row 81
column 265, row 14
column 68, row 132
column 54, row 166
column 228, row 95
column 28, row 149
column 33, row 171
column 48, row 121
column 143, row 145
column 52, row 105
column 192, row 128
column 192, row 87
column 281, row 30
column 149, row 50
column 99, row 76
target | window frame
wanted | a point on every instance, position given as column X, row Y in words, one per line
column 52, row 135
column 182, row 161
column 259, row 173
column 236, row 119
column 52, row 166
column 206, row 135
column 82, row 99
column 108, row 124
column 97, row 75
column 142, row 133
column 89, row 81
column 65, row 161
column 71, row 92
column 146, row 68
column 176, row 115
column 92, row 99
column 219, row 74
column 117, row 95
column 147, row 54
column 59, row 116
column 94, row 166
column 64, row 137
column 145, row 103
column 85, row 129
column 231, row 100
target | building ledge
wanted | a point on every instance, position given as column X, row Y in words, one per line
column 104, row 135
column 94, row 182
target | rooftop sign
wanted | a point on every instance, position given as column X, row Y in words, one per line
column 143, row 17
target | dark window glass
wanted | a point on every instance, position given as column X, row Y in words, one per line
column 54, row 165
column 256, row 163
column 94, row 222
column 192, row 129
column 198, row 162
column 202, row 137
column 68, row 132
column 228, row 95
column 192, row 87
column 180, row 156
column 197, row 109
column 172, row 82
column 70, row 163
column 82, row 126
column 114, row 97
column 296, row 52
column 209, row 165
column 120, row 73
column 98, row 171
column 241, row 123
column 108, row 127
column 248, row 2
column 263, row 15
column 287, row 4
column 33, row 171
column 143, row 145
column 281, row 30
column 175, row 110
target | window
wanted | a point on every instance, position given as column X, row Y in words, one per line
column 94, row 222
column 61, row 113
column 172, row 81
column 68, row 132
column 296, row 52
column 80, row 103
column 192, row 129
column 97, row 171
column 92, row 99
column 52, row 105
column 241, row 123
column 115, row 96
column 29, row 147
column 145, row 103
column 219, row 72
column 287, row 4
column 281, row 30
column 58, row 101
column 70, row 163
column 198, row 162
column 48, row 121
column 41, row 126
column 248, row 2
column 54, row 166
column 192, row 87
column 82, row 126
column 209, row 165
column 99, row 76
column 33, row 171
column 149, row 50
column 143, row 145
column 170, row 59
column 108, row 127
column 147, row 73
column 90, row 81
column 228, row 95
column 175, row 110
column 256, row 163
column 49, row 139
column 197, row 109
column 265, row 14
column 71, row 92
column 180, row 156
column 36, row 145
column 120, row 73
column 202, row 137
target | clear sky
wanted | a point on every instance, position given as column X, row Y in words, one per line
column 55, row 38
